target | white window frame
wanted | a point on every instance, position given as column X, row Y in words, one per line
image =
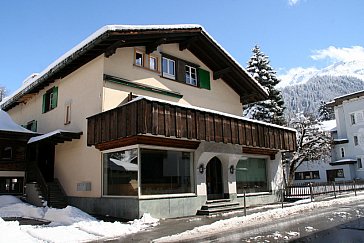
column 166, row 69
column 188, row 75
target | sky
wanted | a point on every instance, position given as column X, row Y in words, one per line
column 293, row 33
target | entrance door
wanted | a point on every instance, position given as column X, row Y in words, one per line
column 46, row 160
column 214, row 179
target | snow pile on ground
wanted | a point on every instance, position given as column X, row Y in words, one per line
column 254, row 219
column 69, row 224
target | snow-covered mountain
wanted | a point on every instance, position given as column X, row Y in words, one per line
column 302, row 75
column 306, row 97
column 304, row 88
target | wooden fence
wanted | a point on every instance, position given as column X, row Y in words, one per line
column 305, row 190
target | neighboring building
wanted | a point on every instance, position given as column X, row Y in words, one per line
column 348, row 138
column 13, row 155
column 148, row 119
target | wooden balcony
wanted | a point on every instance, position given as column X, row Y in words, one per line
column 149, row 121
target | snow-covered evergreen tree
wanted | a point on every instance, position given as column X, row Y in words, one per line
column 313, row 143
column 272, row 109
column 325, row 113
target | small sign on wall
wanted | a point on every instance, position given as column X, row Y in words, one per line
column 84, row 186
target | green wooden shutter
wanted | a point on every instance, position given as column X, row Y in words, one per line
column 44, row 103
column 204, row 79
column 54, row 98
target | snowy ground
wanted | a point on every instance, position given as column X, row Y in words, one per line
column 257, row 219
column 67, row 225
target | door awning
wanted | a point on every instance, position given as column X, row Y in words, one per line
column 57, row 136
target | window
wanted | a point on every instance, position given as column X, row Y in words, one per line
column 6, row 153
column 352, row 118
column 166, row 172
column 251, row 175
column 342, row 151
column 32, row 126
column 67, row 113
column 307, row 175
column 356, row 141
column 153, row 63
column 9, row 185
column 191, row 75
column 168, row 68
column 121, row 173
column 50, row 99
column 360, row 165
column 139, row 58
column 339, row 173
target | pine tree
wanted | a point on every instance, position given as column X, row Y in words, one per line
column 325, row 113
column 270, row 110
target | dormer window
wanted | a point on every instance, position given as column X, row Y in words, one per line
column 139, row 58
column 153, row 63
column 169, row 68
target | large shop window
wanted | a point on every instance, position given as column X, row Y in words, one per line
column 251, row 176
column 121, row 173
column 166, row 172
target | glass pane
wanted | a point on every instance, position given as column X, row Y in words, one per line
column 121, row 173
column 165, row 172
column 153, row 63
column 171, row 67
column 251, row 175
column 139, row 59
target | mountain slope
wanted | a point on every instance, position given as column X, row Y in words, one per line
column 306, row 97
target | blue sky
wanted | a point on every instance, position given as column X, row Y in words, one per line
column 293, row 33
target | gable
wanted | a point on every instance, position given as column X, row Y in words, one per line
column 109, row 38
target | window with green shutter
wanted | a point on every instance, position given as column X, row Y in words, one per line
column 204, row 79
column 32, row 126
column 50, row 99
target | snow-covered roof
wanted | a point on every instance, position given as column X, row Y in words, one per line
column 51, row 134
column 343, row 162
column 339, row 100
column 210, row 111
column 328, row 125
column 34, row 80
column 7, row 124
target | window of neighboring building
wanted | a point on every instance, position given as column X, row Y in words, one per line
column 307, row 175
column 120, row 173
column 339, row 173
column 352, row 119
column 360, row 165
column 169, row 68
column 356, row 141
column 139, row 58
column 6, row 153
column 166, row 172
column 32, row 126
column 191, row 75
column 153, row 63
column 251, row 175
column 11, row 185
column 50, row 99
column 342, row 151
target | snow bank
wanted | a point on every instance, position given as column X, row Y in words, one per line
column 7, row 200
column 69, row 224
column 66, row 216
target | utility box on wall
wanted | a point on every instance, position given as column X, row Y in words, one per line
column 84, row 186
